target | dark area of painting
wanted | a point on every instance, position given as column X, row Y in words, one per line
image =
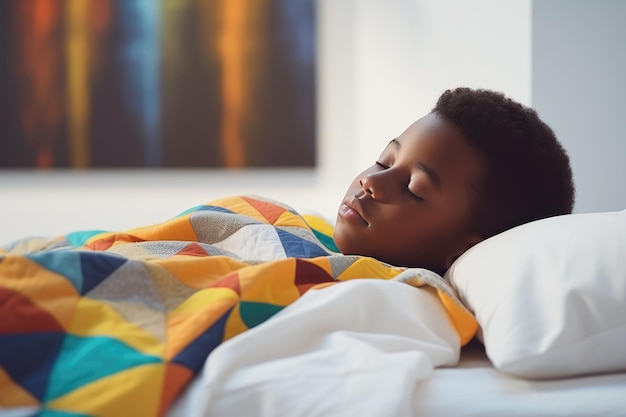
column 143, row 83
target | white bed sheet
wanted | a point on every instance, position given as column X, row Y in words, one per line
column 353, row 349
column 474, row 388
column 377, row 348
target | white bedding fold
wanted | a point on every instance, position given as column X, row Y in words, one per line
column 357, row 348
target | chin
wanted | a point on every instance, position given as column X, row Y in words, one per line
column 347, row 249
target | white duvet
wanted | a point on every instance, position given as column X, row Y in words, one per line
column 357, row 350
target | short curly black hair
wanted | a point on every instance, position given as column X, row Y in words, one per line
column 528, row 174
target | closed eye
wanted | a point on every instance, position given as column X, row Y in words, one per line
column 408, row 190
column 412, row 194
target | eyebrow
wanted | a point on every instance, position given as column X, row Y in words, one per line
column 432, row 175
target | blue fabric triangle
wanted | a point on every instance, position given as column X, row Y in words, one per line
column 65, row 263
column 29, row 359
column 195, row 354
column 203, row 207
column 84, row 270
column 297, row 247
column 97, row 266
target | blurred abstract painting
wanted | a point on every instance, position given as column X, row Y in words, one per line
column 157, row 83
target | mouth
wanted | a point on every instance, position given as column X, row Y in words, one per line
column 350, row 210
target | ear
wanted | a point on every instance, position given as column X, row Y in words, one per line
column 464, row 244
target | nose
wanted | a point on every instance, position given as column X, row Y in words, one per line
column 373, row 185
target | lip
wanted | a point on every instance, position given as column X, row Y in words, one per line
column 351, row 209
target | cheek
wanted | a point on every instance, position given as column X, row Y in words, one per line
column 417, row 229
column 346, row 241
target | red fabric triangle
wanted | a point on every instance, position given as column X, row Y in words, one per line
column 308, row 274
column 38, row 320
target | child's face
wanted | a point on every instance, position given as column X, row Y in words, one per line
column 412, row 207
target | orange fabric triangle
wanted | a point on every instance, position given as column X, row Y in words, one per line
column 107, row 242
column 193, row 249
column 13, row 395
column 176, row 377
column 271, row 212
column 230, row 281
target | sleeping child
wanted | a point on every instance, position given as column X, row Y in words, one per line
column 477, row 165
column 118, row 323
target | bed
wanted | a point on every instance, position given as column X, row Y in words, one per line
column 241, row 306
column 475, row 388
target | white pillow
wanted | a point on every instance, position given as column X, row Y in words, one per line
column 550, row 296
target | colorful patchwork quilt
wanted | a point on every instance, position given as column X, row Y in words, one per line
column 97, row 323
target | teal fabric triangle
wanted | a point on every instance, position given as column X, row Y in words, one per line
column 253, row 314
column 55, row 413
column 326, row 240
column 83, row 360
column 78, row 239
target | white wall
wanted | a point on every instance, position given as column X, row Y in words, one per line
column 381, row 66
column 406, row 56
column 578, row 88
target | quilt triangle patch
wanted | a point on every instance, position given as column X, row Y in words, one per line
column 270, row 212
column 210, row 207
column 339, row 263
column 65, row 263
column 176, row 377
column 29, row 359
column 84, row 269
column 14, row 395
column 253, row 314
column 326, row 240
column 32, row 318
column 82, row 360
column 64, row 413
column 130, row 282
column 193, row 249
column 132, row 392
column 194, row 355
column 230, row 281
column 205, row 207
column 96, row 267
column 106, row 242
column 297, row 247
column 78, row 239
column 309, row 274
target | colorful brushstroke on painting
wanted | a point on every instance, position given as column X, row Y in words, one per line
column 169, row 83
